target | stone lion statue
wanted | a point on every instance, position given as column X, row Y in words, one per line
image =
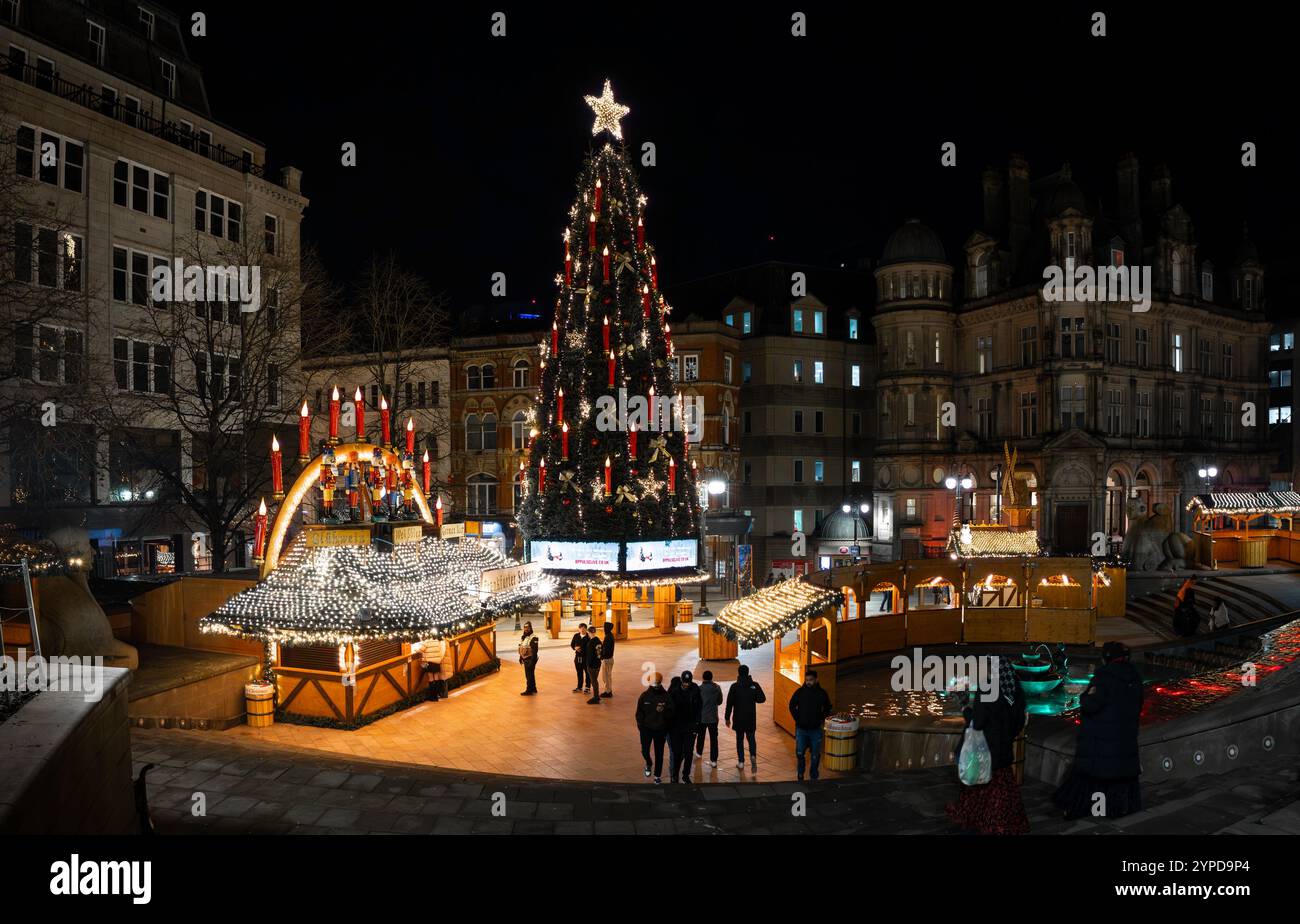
column 1152, row 542
column 71, row 621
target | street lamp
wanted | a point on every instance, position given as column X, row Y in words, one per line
column 996, row 475
column 714, row 487
column 863, row 509
column 965, row 483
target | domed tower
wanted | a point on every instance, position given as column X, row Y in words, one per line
column 915, row 335
column 1068, row 223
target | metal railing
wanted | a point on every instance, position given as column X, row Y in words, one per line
column 142, row 119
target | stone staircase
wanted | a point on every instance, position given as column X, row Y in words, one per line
column 1154, row 611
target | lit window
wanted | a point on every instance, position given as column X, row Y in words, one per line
column 797, row 320
column 819, row 322
column 855, row 471
column 856, row 375
column 853, row 328
column 819, row 471
column 819, row 372
column 746, row 324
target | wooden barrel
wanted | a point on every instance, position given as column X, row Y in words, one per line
column 685, row 610
column 714, row 646
column 840, row 742
column 1253, row 553
column 259, row 700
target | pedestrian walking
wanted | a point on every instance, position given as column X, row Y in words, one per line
column 579, row 645
column 995, row 807
column 654, row 713
column 607, row 662
column 681, row 734
column 1105, row 776
column 809, row 707
column 710, row 700
column 591, row 660
column 528, row 648
column 1186, row 620
column 741, row 715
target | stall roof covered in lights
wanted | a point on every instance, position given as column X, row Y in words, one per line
column 1261, row 503
column 338, row 593
column 983, row 541
column 753, row 621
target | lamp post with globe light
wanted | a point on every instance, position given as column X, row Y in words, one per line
column 714, row 487
column 863, row 509
column 959, row 484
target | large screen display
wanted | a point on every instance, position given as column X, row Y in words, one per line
column 574, row 556
column 661, row 554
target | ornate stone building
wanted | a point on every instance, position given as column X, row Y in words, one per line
column 1104, row 401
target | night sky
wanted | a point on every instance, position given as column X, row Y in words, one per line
column 769, row 147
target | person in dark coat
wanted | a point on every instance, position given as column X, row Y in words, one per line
column 710, row 700
column 1105, row 778
column 654, row 715
column 579, row 645
column 1186, row 619
column 741, row 715
column 681, row 735
column 996, row 806
column 809, row 707
column 528, row 646
column 591, row 661
column 607, row 661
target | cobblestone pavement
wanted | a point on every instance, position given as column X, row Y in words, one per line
column 261, row 789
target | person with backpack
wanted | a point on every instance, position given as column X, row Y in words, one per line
column 607, row 662
column 528, row 646
column 809, row 707
column 681, row 734
column 591, row 660
column 654, row 715
column 710, row 700
column 741, row 715
column 579, row 645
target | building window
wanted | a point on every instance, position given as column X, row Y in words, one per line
column 747, row 473
column 519, row 430
column 1113, row 334
column 1207, row 285
column 50, row 258
column 726, row 369
column 819, row 471
column 1029, row 413
column 1178, row 353
column 49, row 354
column 938, row 350
column 819, row 322
column 96, row 39
column 1072, row 331
column 1176, row 272
column 1141, row 340
column 1117, row 256
column 1177, row 413
column 796, row 320
column 691, row 367
column 746, row 325
column 982, row 277
column 481, row 494
column 855, row 424
column 9, row 11
column 141, row 189
column 819, row 421
column 132, row 283
column 1249, row 299
column 855, row 375
column 1142, row 415
column 1203, row 356
column 729, row 320
column 521, row 373
column 146, row 367
column 798, row 422
column 1114, row 411
column 984, row 416
column 217, row 215
column 473, row 433
column 855, row 471
column 909, row 506
column 797, row 371
column 911, row 409
column 798, row 521
column 1227, row 420
column 168, row 78
column 1207, row 416
column 270, row 233
column 1227, row 360
column 1279, row 415
column 798, row 471
column 489, row 373
column 146, row 23
column 819, row 372
column 216, row 377
column 726, row 428
column 1073, row 407
column 853, row 328
column 983, row 354
column 1029, row 346
column 747, row 422
column 68, row 168
column 746, row 372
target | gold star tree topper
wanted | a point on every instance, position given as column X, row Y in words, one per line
column 607, row 112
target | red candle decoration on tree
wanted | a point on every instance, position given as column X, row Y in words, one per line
column 604, row 260
column 609, row 478
column 668, row 338
column 645, row 301
column 410, row 436
column 555, row 339
column 437, row 512
column 599, row 190
column 277, row 475
column 334, row 415
column 385, row 436
column 605, row 332
column 654, row 410
column 560, row 402
column 259, row 533
column 640, row 234
column 359, row 406
column 631, row 438
column 568, row 260
column 427, row 473
column 541, row 477
column 564, row 442
column 304, row 434
column 591, row 231
column 672, row 475
column 611, row 368
column 654, row 272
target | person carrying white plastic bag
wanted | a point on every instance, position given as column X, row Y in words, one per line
column 989, row 802
column 975, row 761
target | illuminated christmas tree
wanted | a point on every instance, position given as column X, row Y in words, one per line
column 609, row 461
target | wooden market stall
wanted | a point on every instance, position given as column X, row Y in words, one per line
column 1248, row 528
